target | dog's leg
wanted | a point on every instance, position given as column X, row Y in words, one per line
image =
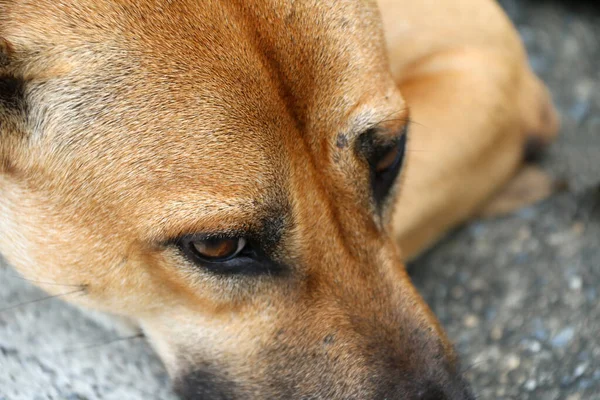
column 471, row 120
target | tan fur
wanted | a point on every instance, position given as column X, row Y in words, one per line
column 147, row 120
column 474, row 101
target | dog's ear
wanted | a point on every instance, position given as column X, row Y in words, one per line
column 12, row 105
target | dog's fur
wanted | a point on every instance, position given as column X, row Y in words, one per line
column 125, row 125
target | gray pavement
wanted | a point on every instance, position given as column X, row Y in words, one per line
column 518, row 295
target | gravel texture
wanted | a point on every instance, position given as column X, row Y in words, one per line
column 518, row 295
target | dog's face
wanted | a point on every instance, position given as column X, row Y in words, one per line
column 221, row 172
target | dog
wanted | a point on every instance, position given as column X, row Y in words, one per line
column 244, row 180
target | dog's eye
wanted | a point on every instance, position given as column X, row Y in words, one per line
column 227, row 256
column 387, row 168
column 385, row 157
column 393, row 156
column 215, row 249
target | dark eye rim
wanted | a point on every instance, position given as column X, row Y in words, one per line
column 250, row 261
column 386, row 176
column 374, row 149
column 399, row 147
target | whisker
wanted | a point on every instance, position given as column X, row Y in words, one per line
column 42, row 282
column 471, row 366
column 96, row 345
column 406, row 120
column 12, row 307
column 388, row 118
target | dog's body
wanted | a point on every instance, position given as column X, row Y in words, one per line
column 141, row 141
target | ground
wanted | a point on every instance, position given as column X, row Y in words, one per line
column 518, row 295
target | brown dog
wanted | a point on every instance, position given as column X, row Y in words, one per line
column 223, row 173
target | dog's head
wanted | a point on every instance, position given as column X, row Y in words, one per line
column 220, row 171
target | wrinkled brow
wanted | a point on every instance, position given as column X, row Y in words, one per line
column 264, row 218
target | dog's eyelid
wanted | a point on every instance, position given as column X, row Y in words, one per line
column 200, row 236
column 211, row 248
column 247, row 259
column 217, row 250
column 384, row 152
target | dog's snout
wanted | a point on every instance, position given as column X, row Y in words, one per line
column 200, row 385
column 435, row 393
column 455, row 389
column 441, row 389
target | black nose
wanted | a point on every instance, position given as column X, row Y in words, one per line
column 456, row 389
column 434, row 393
column 445, row 388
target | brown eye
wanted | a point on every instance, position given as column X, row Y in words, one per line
column 385, row 156
column 389, row 159
column 225, row 255
column 217, row 250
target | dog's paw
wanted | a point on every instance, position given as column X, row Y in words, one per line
column 531, row 185
column 541, row 120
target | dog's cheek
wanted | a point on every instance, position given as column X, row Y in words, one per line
column 44, row 242
column 188, row 341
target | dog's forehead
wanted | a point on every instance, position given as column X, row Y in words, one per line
column 176, row 95
column 217, row 64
